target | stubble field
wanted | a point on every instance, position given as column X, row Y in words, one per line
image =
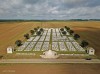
column 12, row 31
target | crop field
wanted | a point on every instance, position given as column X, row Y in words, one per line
column 12, row 31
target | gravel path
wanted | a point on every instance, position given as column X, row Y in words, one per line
column 49, row 61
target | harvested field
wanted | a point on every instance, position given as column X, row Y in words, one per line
column 12, row 31
column 50, row 68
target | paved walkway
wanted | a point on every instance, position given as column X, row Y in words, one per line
column 49, row 61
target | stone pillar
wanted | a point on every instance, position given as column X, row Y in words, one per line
column 10, row 50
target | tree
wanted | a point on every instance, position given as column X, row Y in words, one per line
column 41, row 29
column 64, row 32
column 84, row 43
column 62, row 29
column 67, row 28
column 26, row 36
column 76, row 36
column 71, row 32
column 38, row 33
column 35, row 29
column 32, row 32
column 18, row 42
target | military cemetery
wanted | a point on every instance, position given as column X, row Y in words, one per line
column 63, row 41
